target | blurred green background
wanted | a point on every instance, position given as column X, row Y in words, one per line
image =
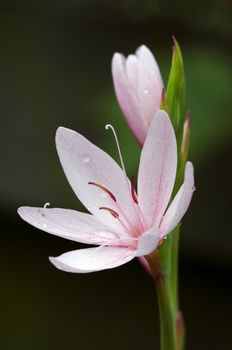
column 55, row 62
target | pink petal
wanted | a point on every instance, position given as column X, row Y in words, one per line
column 138, row 86
column 147, row 58
column 83, row 162
column 69, row 224
column 126, row 95
column 180, row 203
column 93, row 259
column 157, row 169
column 149, row 84
column 148, row 242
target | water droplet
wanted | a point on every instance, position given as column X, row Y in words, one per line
column 44, row 225
column 85, row 158
column 146, row 91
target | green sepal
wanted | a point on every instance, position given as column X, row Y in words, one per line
column 175, row 94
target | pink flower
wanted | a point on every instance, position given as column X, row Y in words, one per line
column 138, row 85
column 122, row 223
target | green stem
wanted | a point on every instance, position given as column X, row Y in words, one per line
column 166, row 311
column 167, row 318
column 174, row 261
column 164, row 266
column 180, row 328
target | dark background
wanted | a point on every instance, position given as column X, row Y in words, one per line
column 55, row 61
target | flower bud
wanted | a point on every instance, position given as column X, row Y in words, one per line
column 138, row 86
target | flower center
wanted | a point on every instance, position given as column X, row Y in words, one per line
column 123, row 218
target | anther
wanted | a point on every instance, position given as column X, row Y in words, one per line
column 133, row 193
column 111, row 211
column 104, row 189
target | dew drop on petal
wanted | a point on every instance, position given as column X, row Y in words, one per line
column 85, row 158
column 146, row 91
column 44, row 225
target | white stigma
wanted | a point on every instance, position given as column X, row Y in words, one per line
column 46, row 205
column 107, row 127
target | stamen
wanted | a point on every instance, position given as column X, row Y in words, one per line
column 46, row 205
column 111, row 211
column 107, row 127
column 104, row 189
column 133, row 193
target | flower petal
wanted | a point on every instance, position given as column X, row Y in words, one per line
column 126, row 94
column 149, row 85
column 147, row 58
column 148, row 242
column 157, row 169
column 93, row 259
column 83, row 162
column 180, row 203
column 69, row 224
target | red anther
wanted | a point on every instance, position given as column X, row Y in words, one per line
column 133, row 193
column 111, row 211
column 104, row 189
